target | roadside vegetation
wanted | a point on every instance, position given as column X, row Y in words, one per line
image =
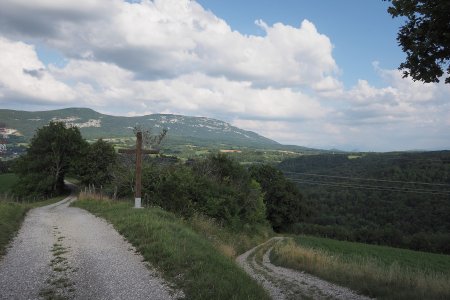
column 216, row 187
column 7, row 181
column 195, row 254
column 11, row 216
column 376, row 271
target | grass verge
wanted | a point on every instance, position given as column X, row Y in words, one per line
column 7, row 181
column 11, row 217
column 381, row 272
column 182, row 255
column 230, row 242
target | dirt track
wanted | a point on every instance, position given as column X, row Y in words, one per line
column 283, row 283
column 66, row 252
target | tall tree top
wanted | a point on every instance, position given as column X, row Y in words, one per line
column 425, row 38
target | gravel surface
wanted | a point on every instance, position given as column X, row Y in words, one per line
column 283, row 283
column 63, row 251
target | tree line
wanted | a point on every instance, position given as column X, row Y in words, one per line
column 216, row 186
column 395, row 199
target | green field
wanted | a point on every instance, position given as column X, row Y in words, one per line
column 185, row 257
column 376, row 271
column 386, row 256
column 7, row 181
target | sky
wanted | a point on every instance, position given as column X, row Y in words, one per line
column 319, row 74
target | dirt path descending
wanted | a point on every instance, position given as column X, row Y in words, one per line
column 283, row 283
column 65, row 252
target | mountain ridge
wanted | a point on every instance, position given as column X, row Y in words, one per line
column 95, row 125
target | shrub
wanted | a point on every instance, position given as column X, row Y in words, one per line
column 217, row 187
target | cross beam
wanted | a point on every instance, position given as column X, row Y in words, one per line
column 139, row 151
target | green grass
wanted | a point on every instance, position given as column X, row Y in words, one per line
column 230, row 242
column 7, row 181
column 182, row 255
column 376, row 271
column 385, row 256
column 11, row 217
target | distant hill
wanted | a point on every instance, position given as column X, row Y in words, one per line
column 182, row 129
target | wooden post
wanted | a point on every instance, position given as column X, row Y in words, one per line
column 137, row 198
column 139, row 152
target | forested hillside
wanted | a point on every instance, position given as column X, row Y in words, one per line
column 398, row 199
column 94, row 125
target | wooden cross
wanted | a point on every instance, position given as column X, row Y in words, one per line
column 139, row 151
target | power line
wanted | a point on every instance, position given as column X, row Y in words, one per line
column 420, row 159
column 379, row 188
column 367, row 179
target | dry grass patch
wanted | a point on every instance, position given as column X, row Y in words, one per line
column 366, row 275
column 230, row 242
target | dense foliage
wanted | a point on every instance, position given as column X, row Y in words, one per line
column 407, row 205
column 284, row 202
column 218, row 187
column 55, row 151
column 95, row 163
column 51, row 154
column 424, row 38
column 5, row 166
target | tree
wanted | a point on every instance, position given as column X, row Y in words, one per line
column 283, row 200
column 96, row 163
column 425, row 38
column 52, row 151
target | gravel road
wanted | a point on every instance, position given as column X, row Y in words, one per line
column 283, row 283
column 65, row 252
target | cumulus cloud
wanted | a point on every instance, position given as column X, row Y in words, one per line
column 25, row 78
column 402, row 100
column 173, row 56
column 104, row 84
column 168, row 38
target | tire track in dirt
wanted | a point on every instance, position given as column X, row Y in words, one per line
column 283, row 283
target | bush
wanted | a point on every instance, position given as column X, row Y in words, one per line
column 216, row 187
column 283, row 200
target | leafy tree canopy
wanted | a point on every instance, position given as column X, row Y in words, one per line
column 425, row 38
column 284, row 202
column 96, row 162
column 53, row 150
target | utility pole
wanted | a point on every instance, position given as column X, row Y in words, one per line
column 139, row 152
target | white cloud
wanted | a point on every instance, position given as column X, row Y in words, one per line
column 173, row 56
column 401, row 101
column 168, row 38
column 23, row 76
column 102, row 84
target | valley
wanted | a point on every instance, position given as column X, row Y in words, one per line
column 230, row 195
